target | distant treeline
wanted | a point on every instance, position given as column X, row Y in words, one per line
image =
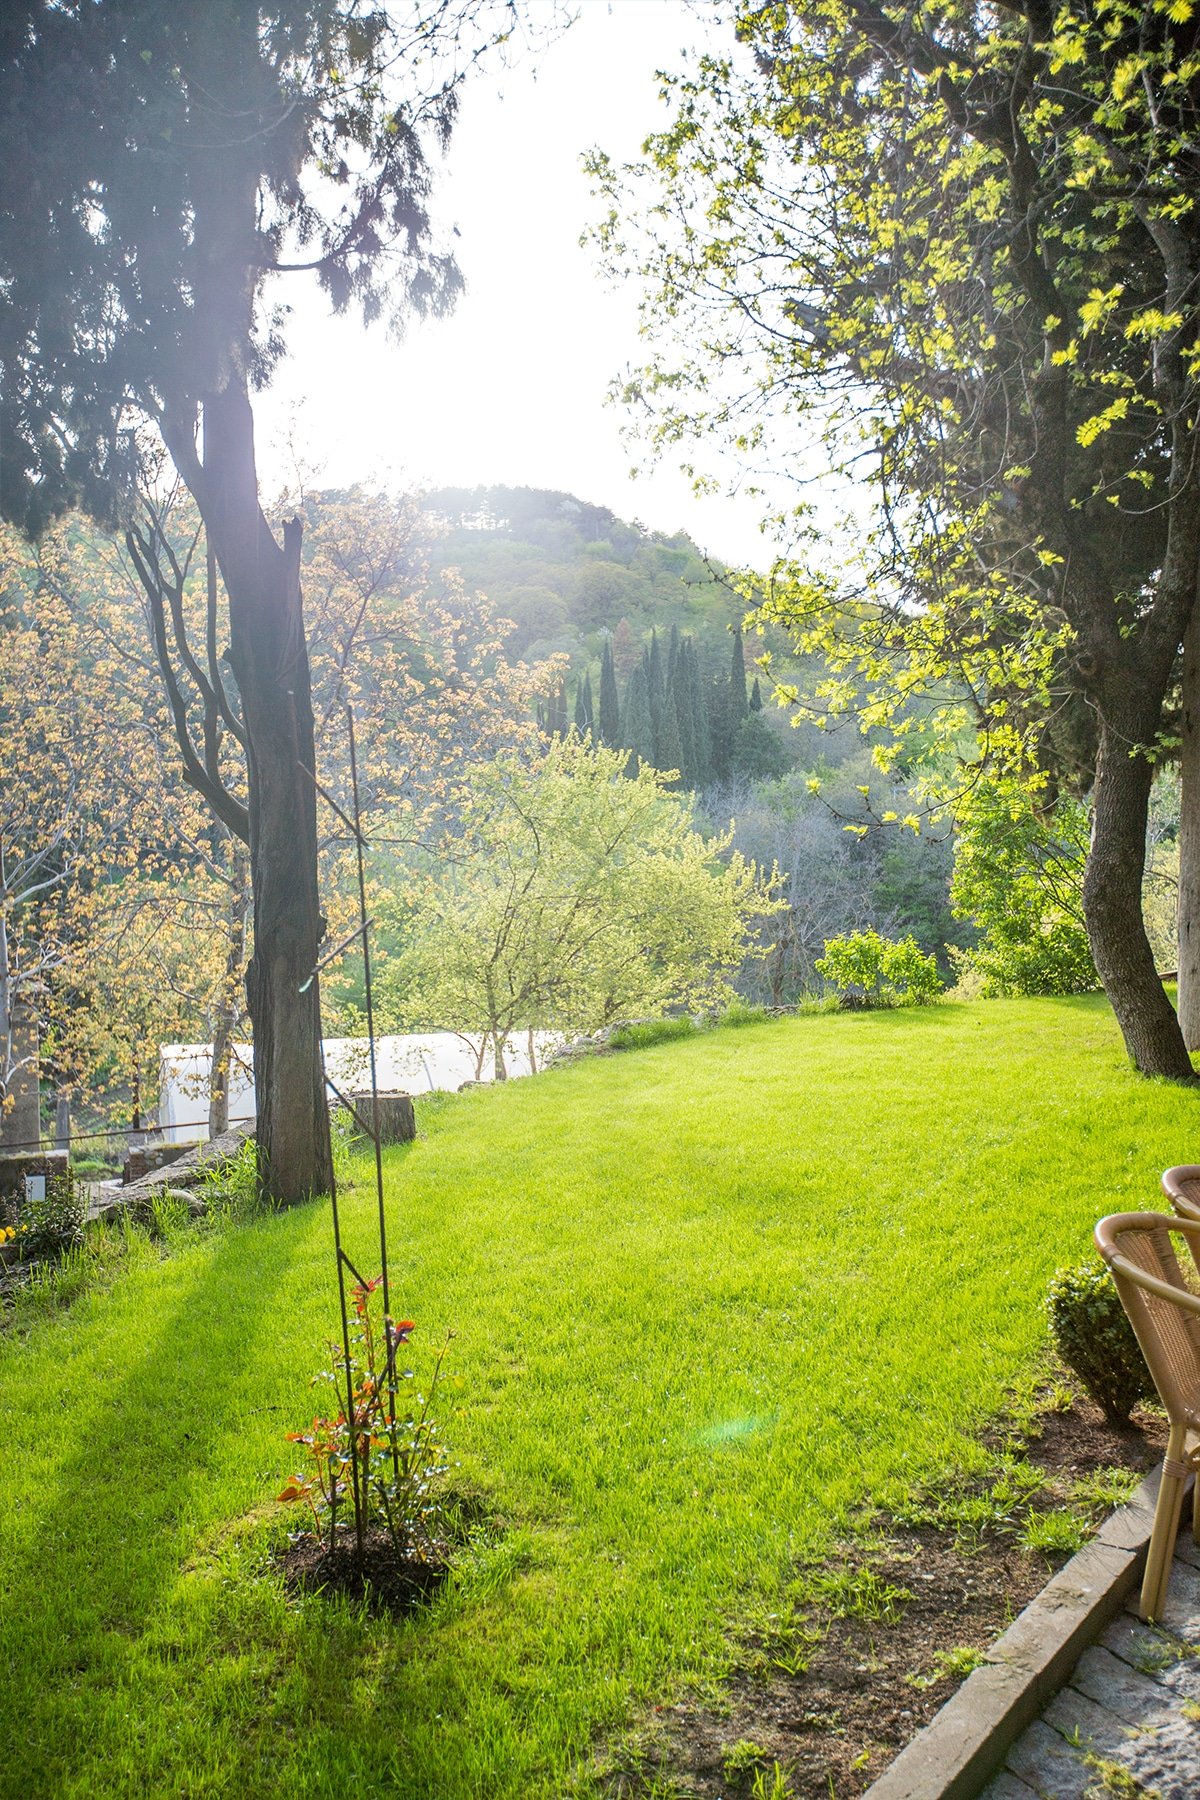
column 671, row 716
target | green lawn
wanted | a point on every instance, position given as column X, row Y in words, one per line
column 708, row 1297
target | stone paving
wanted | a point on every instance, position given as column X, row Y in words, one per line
column 1128, row 1721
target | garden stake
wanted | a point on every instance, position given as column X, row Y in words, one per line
column 362, row 930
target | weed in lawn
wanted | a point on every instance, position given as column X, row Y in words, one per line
column 772, row 1784
column 1153, row 1652
column 744, row 1758
column 1057, row 1532
column 860, row 1593
column 969, row 1505
column 1103, row 1490
column 1114, row 1781
column 948, row 1665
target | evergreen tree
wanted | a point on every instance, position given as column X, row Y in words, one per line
column 560, row 722
column 756, row 697
column 610, row 706
column 757, row 752
column 670, row 752
column 589, row 705
column 680, row 707
column 737, row 683
column 583, row 723
column 656, row 694
column 636, row 735
column 720, row 735
column 702, row 744
column 673, row 656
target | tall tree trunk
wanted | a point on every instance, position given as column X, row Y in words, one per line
column 1112, row 900
column 1189, row 840
column 270, row 663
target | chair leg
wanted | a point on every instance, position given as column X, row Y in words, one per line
column 1166, row 1525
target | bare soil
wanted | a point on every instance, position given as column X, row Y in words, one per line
column 386, row 1579
column 855, row 1688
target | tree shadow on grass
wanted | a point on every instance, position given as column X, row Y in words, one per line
column 151, row 1423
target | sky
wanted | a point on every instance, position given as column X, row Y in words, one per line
column 511, row 388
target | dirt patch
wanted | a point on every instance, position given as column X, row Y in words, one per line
column 828, row 1694
column 385, row 1578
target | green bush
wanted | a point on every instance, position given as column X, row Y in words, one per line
column 881, row 972
column 1096, row 1340
column 49, row 1227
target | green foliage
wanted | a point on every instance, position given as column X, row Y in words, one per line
column 231, row 1189
column 743, row 1758
column 949, row 1665
column 1096, row 1340
column 1018, row 874
column 861, row 1593
column 573, row 894
column 393, row 1462
column 880, row 972
column 49, row 1227
column 643, row 1033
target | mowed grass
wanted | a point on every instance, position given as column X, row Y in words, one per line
column 709, row 1298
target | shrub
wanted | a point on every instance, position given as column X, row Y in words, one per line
column 393, row 1463
column 47, row 1228
column 880, row 971
column 1096, row 1340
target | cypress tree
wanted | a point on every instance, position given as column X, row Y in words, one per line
column 589, row 705
column 681, row 708
column 562, row 711
column 656, row 694
column 756, row 697
column 581, row 711
column 702, row 744
column 610, row 706
column 636, row 735
column 720, row 736
column 673, row 655
column 670, row 749
column 737, row 683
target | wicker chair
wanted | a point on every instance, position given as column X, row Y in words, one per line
column 1182, row 1188
column 1165, row 1314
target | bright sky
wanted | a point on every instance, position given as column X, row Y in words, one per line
column 511, row 388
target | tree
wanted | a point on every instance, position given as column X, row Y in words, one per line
column 1018, row 873
column 610, row 710
column 573, row 894
column 968, row 239
column 236, row 142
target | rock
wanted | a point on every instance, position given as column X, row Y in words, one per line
column 151, row 1157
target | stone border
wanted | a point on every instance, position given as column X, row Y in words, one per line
column 965, row 1744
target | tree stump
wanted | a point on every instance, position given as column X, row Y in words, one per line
column 397, row 1116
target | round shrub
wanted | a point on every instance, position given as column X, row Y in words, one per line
column 1096, row 1340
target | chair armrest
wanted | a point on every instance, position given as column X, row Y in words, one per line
column 1165, row 1289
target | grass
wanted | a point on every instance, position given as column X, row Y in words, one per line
column 709, row 1297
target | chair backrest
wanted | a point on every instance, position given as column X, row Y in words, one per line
column 1163, row 1309
column 1182, row 1188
